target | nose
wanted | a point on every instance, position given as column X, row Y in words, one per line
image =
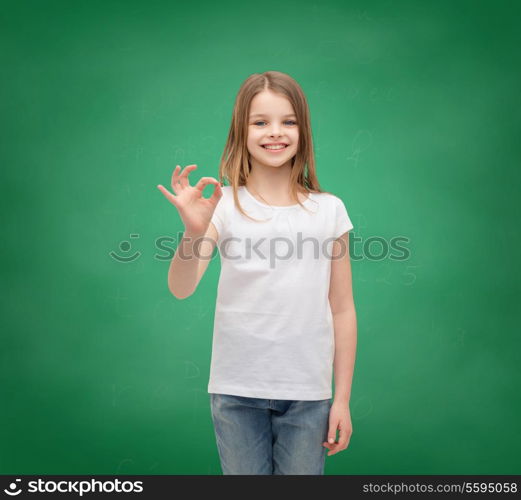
column 275, row 131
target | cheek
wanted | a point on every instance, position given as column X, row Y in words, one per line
column 252, row 138
column 251, row 144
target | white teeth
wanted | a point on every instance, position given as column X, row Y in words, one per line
column 274, row 147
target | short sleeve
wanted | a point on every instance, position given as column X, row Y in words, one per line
column 218, row 217
column 342, row 221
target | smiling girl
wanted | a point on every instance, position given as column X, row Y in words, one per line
column 285, row 319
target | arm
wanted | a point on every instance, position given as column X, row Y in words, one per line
column 190, row 262
column 344, row 319
column 200, row 236
column 345, row 326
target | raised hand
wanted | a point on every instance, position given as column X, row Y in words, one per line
column 195, row 210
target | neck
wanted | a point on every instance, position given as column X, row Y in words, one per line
column 273, row 182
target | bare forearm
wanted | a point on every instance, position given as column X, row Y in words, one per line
column 345, row 352
column 182, row 274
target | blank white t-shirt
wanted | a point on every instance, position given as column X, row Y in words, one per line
column 273, row 331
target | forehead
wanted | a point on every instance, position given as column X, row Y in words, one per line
column 269, row 103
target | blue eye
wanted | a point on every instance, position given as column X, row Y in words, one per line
column 290, row 121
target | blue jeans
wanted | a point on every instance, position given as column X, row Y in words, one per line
column 270, row 436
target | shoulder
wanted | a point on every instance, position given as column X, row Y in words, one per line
column 333, row 205
column 329, row 198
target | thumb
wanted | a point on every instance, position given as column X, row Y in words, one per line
column 331, row 435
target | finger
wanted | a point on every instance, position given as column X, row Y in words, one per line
column 337, row 446
column 345, row 435
column 217, row 193
column 342, row 443
column 330, row 446
column 343, row 438
column 331, row 435
column 175, row 179
column 333, row 448
column 168, row 195
column 183, row 178
column 204, row 181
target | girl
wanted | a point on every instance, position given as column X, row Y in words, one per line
column 284, row 313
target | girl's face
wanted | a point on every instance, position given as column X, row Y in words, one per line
column 272, row 120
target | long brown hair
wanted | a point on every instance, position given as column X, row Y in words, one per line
column 235, row 167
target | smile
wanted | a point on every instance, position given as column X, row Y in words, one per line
column 274, row 149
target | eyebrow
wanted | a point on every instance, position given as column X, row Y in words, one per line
column 262, row 114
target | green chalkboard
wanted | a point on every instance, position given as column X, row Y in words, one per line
column 416, row 123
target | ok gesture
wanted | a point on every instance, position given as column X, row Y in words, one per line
column 195, row 210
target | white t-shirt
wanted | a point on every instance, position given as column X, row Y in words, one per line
column 273, row 331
